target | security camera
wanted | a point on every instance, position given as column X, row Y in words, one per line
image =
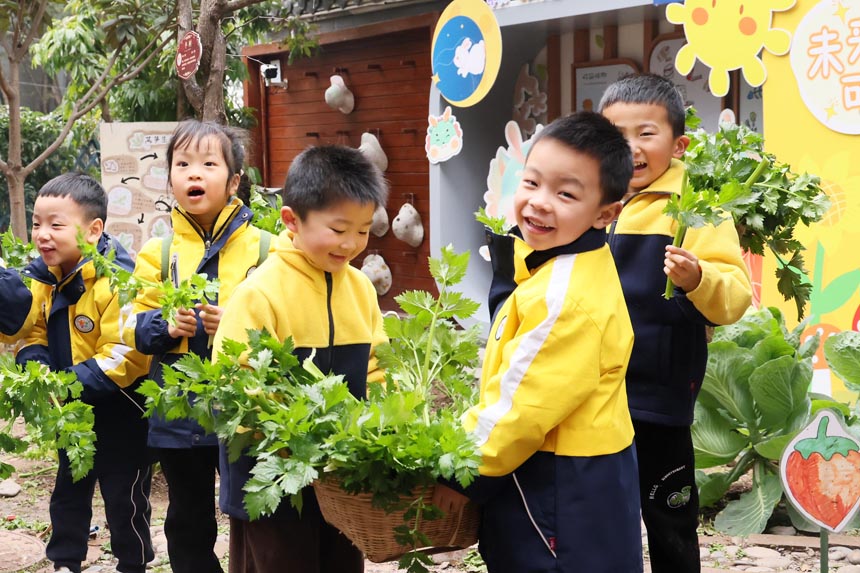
column 270, row 72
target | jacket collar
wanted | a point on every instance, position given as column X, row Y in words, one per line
column 668, row 183
column 233, row 214
column 527, row 259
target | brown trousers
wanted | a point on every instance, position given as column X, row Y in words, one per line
column 306, row 545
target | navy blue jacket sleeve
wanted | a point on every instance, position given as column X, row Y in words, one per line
column 36, row 353
column 16, row 300
column 151, row 335
column 97, row 385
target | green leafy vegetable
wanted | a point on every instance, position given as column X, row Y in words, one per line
column 47, row 403
column 301, row 424
column 780, row 199
column 753, row 401
column 16, row 253
column 128, row 286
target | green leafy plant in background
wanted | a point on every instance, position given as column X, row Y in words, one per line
column 265, row 205
column 47, row 403
column 780, row 198
column 302, row 425
column 754, row 399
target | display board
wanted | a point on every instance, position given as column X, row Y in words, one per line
column 590, row 80
column 134, row 174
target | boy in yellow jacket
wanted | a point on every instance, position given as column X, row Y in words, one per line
column 307, row 290
column 558, row 482
column 712, row 287
column 78, row 329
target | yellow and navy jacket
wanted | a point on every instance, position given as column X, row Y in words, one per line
column 669, row 358
column 18, row 314
column 335, row 316
column 553, row 372
column 230, row 253
column 78, row 328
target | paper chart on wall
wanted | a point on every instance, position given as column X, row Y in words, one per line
column 134, row 174
column 693, row 87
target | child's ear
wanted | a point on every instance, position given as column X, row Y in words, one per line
column 607, row 214
column 289, row 218
column 680, row 146
column 94, row 231
column 233, row 185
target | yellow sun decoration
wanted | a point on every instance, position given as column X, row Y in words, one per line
column 728, row 34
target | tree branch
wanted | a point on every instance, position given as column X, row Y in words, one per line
column 23, row 48
column 4, row 85
column 234, row 5
column 78, row 113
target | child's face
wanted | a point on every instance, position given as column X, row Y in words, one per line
column 648, row 131
column 201, row 180
column 56, row 221
column 333, row 236
column 559, row 197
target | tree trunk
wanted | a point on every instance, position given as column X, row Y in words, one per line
column 213, row 98
column 14, row 168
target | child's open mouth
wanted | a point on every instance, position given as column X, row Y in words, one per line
column 537, row 226
column 639, row 166
column 196, row 192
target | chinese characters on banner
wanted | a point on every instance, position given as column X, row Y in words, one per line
column 825, row 59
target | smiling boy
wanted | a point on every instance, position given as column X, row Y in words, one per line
column 78, row 329
column 308, row 291
column 712, row 287
column 558, row 481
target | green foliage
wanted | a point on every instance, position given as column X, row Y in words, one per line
column 128, row 286
column 16, row 253
column 498, row 225
column 780, row 198
column 38, row 131
column 300, row 423
column 753, row 401
column 47, row 402
column 266, row 206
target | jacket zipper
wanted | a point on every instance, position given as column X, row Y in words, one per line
column 329, row 284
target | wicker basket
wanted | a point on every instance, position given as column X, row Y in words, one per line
column 372, row 530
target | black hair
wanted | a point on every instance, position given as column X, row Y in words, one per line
column 592, row 134
column 324, row 175
column 192, row 132
column 648, row 88
column 88, row 193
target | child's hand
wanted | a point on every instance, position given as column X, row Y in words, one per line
column 186, row 324
column 211, row 317
column 683, row 268
column 447, row 499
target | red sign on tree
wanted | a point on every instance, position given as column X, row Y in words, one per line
column 188, row 54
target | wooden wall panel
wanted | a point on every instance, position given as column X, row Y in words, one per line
column 390, row 77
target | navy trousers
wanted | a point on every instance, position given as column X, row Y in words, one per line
column 125, row 492
column 567, row 515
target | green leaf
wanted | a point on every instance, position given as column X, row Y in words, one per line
column 842, row 352
column 715, row 441
column 727, row 380
column 749, row 514
column 779, row 388
column 712, row 487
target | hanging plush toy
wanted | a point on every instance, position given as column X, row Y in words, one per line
column 338, row 96
column 407, row 226
column 371, row 149
column 378, row 272
column 379, row 225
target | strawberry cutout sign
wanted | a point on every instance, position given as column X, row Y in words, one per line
column 820, row 469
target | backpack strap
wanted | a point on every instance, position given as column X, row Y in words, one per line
column 165, row 256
